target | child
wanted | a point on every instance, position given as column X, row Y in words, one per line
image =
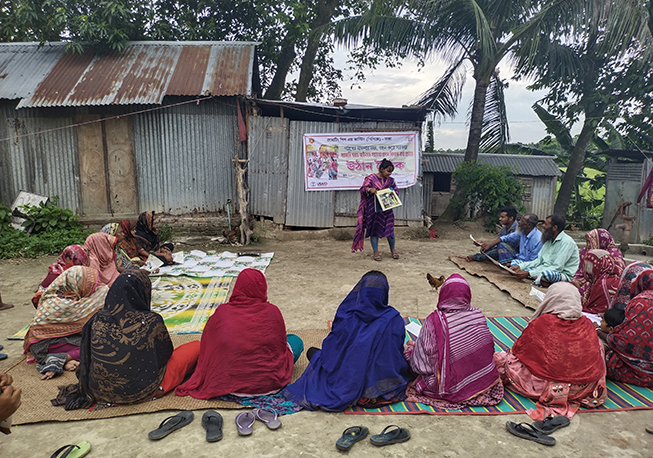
column 611, row 318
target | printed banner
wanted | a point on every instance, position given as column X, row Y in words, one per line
column 337, row 161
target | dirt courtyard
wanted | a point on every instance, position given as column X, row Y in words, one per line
column 309, row 276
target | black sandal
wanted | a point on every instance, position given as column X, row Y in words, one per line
column 551, row 424
column 350, row 436
column 526, row 431
column 395, row 436
column 171, row 424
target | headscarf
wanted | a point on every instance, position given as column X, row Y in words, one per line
column 557, row 347
column 243, row 348
column 110, row 229
column 630, row 273
column 66, row 305
column 102, row 256
column 562, row 299
column 602, row 276
column 362, row 357
column 630, row 358
column 597, row 239
column 454, row 353
column 124, row 349
column 72, row 255
column 129, row 243
column 147, row 235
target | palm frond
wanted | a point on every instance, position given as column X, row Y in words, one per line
column 444, row 95
column 494, row 133
column 555, row 127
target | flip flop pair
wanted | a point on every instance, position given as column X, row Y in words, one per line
column 392, row 434
column 245, row 420
column 212, row 422
column 539, row 431
column 73, row 451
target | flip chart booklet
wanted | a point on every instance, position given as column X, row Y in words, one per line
column 386, row 199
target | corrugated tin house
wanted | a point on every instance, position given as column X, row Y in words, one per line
column 538, row 174
column 627, row 172
column 276, row 161
column 154, row 127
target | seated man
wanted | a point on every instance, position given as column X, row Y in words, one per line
column 508, row 221
column 528, row 237
column 558, row 259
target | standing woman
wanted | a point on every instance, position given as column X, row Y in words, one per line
column 375, row 223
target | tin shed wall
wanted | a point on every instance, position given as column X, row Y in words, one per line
column 268, row 166
column 543, row 194
column 623, row 183
column 184, row 157
column 45, row 163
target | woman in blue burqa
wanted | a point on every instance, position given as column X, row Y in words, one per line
column 361, row 361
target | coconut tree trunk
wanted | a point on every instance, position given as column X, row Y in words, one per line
column 576, row 160
column 275, row 89
column 476, row 121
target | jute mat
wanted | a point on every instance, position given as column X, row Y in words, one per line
column 36, row 406
column 518, row 289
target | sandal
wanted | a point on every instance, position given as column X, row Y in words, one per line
column 171, row 424
column 526, row 431
column 395, row 255
column 377, row 257
column 212, row 422
column 73, row 451
column 244, row 423
column 551, row 424
column 350, row 436
column 269, row 417
column 394, row 436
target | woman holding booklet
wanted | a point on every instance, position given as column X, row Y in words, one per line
column 373, row 220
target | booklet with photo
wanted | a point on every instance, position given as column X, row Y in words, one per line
column 386, row 199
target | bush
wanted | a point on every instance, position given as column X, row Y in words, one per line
column 15, row 243
column 5, row 217
column 46, row 217
column 487, row 188
column 165, row 232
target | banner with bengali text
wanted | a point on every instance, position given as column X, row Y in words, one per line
column 341, row 161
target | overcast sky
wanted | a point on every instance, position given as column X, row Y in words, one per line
column 403, row 85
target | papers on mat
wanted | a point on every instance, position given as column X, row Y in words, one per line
column 197, row 263
column 413, row 328
column 178, row 257
column 152, row 263
column 539, row 295
column 594, row 318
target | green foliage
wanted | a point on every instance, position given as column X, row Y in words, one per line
column 15, row 243
column 5, row 217
column 487, row 188
column 165, row 232
column 648, row 241
column 47, row 217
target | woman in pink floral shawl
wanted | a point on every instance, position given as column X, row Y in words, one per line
column 453, row 356
column 597, row 239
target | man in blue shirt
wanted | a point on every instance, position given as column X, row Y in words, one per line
column 528, row 237
column 508, row 221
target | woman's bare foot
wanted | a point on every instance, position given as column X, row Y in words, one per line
column 71, row 365
column 48, row 375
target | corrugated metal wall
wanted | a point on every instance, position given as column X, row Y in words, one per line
column 43, row 164
column 282, row 197
column 543, row 194
column 184, row 157
column 622, row 184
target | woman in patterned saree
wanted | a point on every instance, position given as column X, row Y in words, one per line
column 629, row 358
column 597, row 239
column 54, row 335
column 558, row 359
column 453, row 355
column 126, row 355
column 602, row 279
column 72, row 255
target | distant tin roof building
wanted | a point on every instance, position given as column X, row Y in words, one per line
column 536, row 166
column 143, row 73
column 538, row 175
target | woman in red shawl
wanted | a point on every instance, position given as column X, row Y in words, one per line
column 602, row 275
column 102, row 257
column 72, row 255
column 629, row 357
column 597, row 239
column 558, row 359
column 243, row 349
column 453, row 355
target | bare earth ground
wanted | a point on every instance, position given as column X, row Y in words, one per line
column 309, row 276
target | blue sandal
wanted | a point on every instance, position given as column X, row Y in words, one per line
column 350, row 436
column 394, row 436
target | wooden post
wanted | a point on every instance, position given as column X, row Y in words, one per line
column 245, row 231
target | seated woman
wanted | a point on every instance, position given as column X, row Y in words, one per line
column 102, row 257
column 72, row 255
column 453, row 355
column 129, row 245
column 244, row 350
column 361, row 361
column 67, row 304
column 602, row 279
column 558, row 359
column 125, row 248
column 629, row 358
column 126, row 352
column 597, row 239
column 630, row 273
column 147, row 237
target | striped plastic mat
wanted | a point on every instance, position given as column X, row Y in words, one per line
column 505, row 331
